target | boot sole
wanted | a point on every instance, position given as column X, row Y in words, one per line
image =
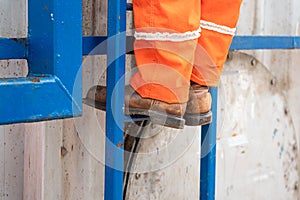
column 94, row 104
column 198, row 119
column 156, row 117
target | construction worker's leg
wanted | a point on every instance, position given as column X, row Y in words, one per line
column 218, row 22
column 166, row 39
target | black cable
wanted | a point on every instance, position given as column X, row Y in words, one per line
column 133, row 150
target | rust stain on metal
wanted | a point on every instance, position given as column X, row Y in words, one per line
column 34, row 79
column 48, row 117
column 120, row 144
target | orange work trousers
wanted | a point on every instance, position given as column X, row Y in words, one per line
column 179, row 41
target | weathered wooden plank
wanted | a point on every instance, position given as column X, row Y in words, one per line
column 53, row 164
column 43, row 161
column 34, row 161
column 13, row 20
column 11, row 162
column 84, row 145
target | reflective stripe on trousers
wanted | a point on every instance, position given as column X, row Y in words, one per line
column 178, row 41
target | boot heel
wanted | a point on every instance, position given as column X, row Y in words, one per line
column 198, row 119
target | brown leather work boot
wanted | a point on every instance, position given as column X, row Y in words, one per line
column 198, row 107
column 160, row 112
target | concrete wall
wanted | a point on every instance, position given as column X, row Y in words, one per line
column 258, row 138
column 258, row 142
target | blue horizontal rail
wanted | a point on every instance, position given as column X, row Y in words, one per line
column 12, row 48
column 265, row 42
column 32, row 100
column 96, row 45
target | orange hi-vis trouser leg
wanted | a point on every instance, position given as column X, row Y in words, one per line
column 178, row 41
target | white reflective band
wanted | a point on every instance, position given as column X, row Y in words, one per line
column 165, row 36
column 216, row 27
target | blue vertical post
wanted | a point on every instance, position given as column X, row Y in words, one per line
column 116, row 49
column 55, row 39
column 208, row 153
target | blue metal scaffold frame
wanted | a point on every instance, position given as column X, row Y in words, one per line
column 54, row 50
column 116, row 50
